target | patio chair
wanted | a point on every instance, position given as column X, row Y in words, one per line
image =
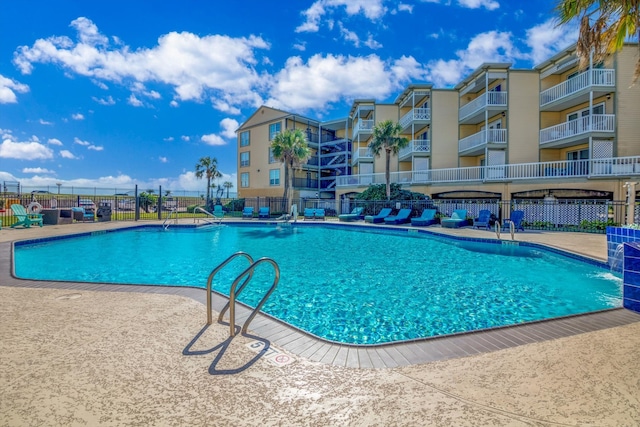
column 263, row 213
column 81, row 214
column 401, row 217
column 25, row 219
column 355, row 215
column 516, row 217
column 247, row 212
column 309, row 213
column 428, row 217
column 218, row 213
column 319, row 214
column 483, row 219
column 374, row 219
column 458, row 219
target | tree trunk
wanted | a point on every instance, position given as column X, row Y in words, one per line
column 387, row 173
column 286, row 186
column 208, row 202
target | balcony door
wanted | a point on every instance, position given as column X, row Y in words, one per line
column 578, row 162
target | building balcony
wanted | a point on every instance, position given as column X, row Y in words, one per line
column 417, row 147
column 576, row 90
column 420, row 116
column 578, row 131
column 362, row 127
column 475, row 144
column 362, row 155
column 473, row 112
column 566, row 169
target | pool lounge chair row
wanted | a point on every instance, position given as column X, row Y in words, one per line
column 403, row 217
column 263, row 212
column 310, row 213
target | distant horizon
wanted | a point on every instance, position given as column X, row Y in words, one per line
column 110, row 97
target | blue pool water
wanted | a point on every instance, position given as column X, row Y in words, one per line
column 343, row 284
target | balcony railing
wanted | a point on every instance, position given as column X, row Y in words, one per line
column 494, row 136
column 362, row 126
column 305, row 183
column 415, row 114
column 362, row 154
column 596, row 77
column 416, row 146
column 593, row 123
column 487, row 99
column 610, row 167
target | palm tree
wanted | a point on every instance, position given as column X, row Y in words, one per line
column 291, row 148
column 604, row 26
column 386, row 135
column 227, row 185
column 208, row 167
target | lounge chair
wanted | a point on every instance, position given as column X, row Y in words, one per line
column 319, row 214
column 309, row 213
column 263, row 213
column 355, row 215
column 247, row 212
column 428, row 217
column 374, row 219
column 218, row 213
column 81, row 214
column 401, row 217
column 458, row 219
column 25, row 219
column 516, row 217
column 483, row 219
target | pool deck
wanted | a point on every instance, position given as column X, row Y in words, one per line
column 85, row 354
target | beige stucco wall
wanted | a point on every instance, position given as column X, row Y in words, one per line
column 522, row 119
column 628, row 102
column 444, row 129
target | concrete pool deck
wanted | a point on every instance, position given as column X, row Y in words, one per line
column 77, row 356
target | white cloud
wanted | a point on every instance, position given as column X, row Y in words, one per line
column 185, row 138
column 66, row 154
column 229, row 127
column 371, row 43
column 372, row 9
column 8, row 89
column 213, row 139
column 546, row 39
column 349, row 36
column 104, row 101
column 301, row 46
column 37, row 170
column 174, row 103
column 163, row 159
column 191, row 64
column 10, row 148
column 134, row 101
column 54, row 141
column 403, row 7
column 169, row 139
column 44, row 122
column 95, row 147
column 78, row 141
column 476, row 4
column 323, row 80
column 77, row 116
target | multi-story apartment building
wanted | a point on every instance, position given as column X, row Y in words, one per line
column 501, row 133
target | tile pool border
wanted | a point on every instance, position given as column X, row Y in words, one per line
column 387, row 355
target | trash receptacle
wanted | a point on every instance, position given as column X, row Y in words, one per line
column 104, row 213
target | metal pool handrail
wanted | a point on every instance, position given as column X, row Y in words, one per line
column 214, row 272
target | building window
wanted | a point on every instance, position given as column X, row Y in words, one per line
column 244, row 159
column 274, row 177
column 271, row 158
column 244, row 139
column 274, row 129
column 244, row 179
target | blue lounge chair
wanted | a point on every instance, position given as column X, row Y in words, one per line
column 247, row 212
column 80, row 214
column 401, row 217
column 218, row 213
column 374, row 219
column 263, row 213
column 483, row 219
column 355, row 215
column 25, row 219
column 516, row 217
column 319, row 214
column 428, row 217
column 309, row 213
column 458, row 219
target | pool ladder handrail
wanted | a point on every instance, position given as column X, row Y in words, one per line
column 234, row 291
column 206, row 212
column 512, row 229
column 164, row 224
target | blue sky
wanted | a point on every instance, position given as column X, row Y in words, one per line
column 112, row 94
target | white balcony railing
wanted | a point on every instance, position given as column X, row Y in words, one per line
column 494, row 136
column 487, row 99
column 594, row 123
column 589, row 78
column 610, row 167
column 416, row 146
column 361, row 154
column 362, row 126
column 415, row 114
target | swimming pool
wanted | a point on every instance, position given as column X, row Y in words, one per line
column 344, row 284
